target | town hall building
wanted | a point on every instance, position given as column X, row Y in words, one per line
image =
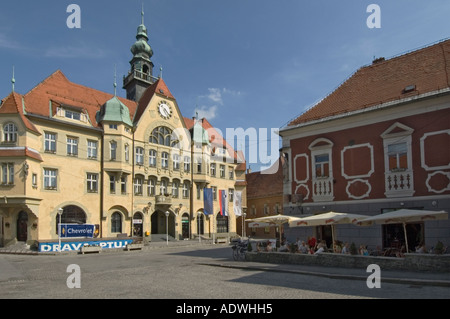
column 133, row 167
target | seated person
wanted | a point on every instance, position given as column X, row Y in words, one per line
column 303, row 249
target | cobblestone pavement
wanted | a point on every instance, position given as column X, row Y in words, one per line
column 199, row 271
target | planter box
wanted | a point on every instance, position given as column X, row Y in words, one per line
column 90, row 249
column 134, row 247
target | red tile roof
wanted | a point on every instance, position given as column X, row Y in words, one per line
column 13, row 104
column 20, row 152
column 426, row 70
column 160, row 88
column 58, row 89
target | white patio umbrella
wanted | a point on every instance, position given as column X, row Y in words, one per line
column 403, row 216
column 330, row 218
column 274, row 220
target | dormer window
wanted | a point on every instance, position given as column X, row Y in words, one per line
column 72, row 112
column 73, row 115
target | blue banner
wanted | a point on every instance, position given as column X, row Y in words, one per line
column 208, row 208
column 76, row 245
column 78, row 231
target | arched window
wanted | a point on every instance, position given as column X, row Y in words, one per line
column 164, row 136
column 10, row 133
column 116, row 222
column 71, row 215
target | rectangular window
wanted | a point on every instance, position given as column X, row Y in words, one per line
column 151, row 187
column 322, row 165
column 187, row 164
column 73, row 115
column 176, row 162
column 34, row 180
column 138, row 183
column 152, row 158
column 231, row 172
column 198, row 192
column 92, row 149
column 222, row 171
column 230, row 195
column 398, row 156
column 72, row 146
column 50, row 178
column 92, row 183
column 185, row 189
column 213, row 169
column 123, row 185
column 127, row 153
column 50, row 143
column 112, row 184
column 165, row 160
column 175, row 189
column 113, row 151
column 139, row 156
column 214, row 191
column 163, row 187
column 7, row 173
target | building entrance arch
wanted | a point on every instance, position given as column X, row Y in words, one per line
column 161, row 223
column 138, row 222
column 185, row 226
column 71, row 214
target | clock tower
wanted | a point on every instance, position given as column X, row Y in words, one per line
column 140, row 77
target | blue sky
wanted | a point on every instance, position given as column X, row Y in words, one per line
column 242, row 63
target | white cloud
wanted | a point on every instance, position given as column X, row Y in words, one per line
column 215, row 95
column 206, row 112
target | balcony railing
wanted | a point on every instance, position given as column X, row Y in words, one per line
column 323, row 189
column 139, row 75
column 163, row 200
column 399, row 183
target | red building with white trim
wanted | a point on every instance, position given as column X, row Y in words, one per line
column 380, row 141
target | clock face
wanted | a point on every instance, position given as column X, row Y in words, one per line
column 164, row 110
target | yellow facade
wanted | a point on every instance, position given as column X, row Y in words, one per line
column 128, row 166
column 126, row 188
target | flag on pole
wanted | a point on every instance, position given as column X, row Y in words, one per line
column 223, row 202
column 208, row 208
column 237, row 203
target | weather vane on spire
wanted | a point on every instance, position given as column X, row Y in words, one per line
column 13, row 80
column 115, row 80
column 142, row 14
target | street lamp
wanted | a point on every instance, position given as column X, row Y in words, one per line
column 198, row 230
column 167, row 227
column 60, row 211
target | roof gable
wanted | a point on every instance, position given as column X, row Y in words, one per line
column 13, row 104
column 159, row 88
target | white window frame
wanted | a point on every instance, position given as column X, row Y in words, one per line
column 92, row 182
column 92, row 149
column 50, row 142
column 152, row 158
column 50, row 178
